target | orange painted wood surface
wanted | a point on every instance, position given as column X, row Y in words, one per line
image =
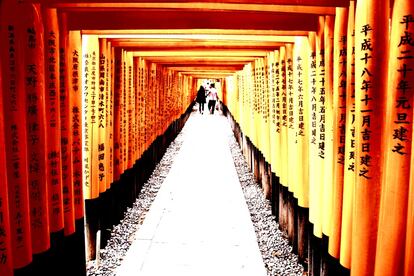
column 74, row 61
column 53, row 125
column 275, row 113
column 110, row 113
column 117, row 114
column 130, row 111
column 328, row 155
column 15, row 132
column 65, row 125
column 291, row 123
column 320, row 127
column 123, row 146
column 349, row 170
column 90, row 82
column 301, row 88
column 6, row 266
column 34, row 73
column 275, row 2
column 397, row 151
column 371, row 60
column 409, row 242
column 158, row 19
column 102, row 121
column 339, row 120
column 313, row 145
column 284, row 118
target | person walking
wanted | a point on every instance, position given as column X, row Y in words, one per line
column 212, row 98
column 201, row 99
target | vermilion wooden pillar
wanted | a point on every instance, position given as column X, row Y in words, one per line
column 326, row 100
column 312, row 118
column 350, row 162
column 320, row 124
column 35, row 87
column 317, row 145
column 53, row 130
column 291, row 158
column 283, row 140
column 66, row 123
column 15, row 132
column 301, row 81
column 117, row 159
column 291, row 149
column 409, row 242
column 104, row 147
column 36, row 122
column 398, row 136
column 74, row 77
column 326, row 95
column 74, row 61
column 90, row 141
column 53, row 126
column 73, row 252
column 371, row 69
column 339, row 120
column 6, row 267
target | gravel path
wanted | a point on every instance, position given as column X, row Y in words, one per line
column 276, row 252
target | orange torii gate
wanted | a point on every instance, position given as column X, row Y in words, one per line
column 91, row 95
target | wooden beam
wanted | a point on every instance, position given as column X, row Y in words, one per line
column 203, row 49
column 169, row 63
column 160, row 19
column 209, row 76
column 195, row 6
column 322, row 3
column 199, row 70
column 211, row 53
column 205, row 68
column 217, row 74
column 205, row 37
column 201, row 60
column 173, row 44
column 238, row 32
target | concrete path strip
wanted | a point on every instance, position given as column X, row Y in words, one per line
column 199, row 223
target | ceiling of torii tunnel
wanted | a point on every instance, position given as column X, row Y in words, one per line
column 203, row 39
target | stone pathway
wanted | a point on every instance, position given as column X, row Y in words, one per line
column 199, row 223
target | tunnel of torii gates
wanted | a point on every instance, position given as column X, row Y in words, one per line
column 319, row 95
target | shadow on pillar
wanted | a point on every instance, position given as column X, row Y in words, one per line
column 275, row 196
column 314, row 253
column 283, row 209
column 106, row 214
column 329, row 264
column 291, row 203
column 74, row 252
column 91, row 226
column 48, row 263
column 65, row 257
column 302, row 241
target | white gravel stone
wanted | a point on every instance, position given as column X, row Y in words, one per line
column 276, row 252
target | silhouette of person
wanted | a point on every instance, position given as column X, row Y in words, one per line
column 201, row 99
column 212, row 98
